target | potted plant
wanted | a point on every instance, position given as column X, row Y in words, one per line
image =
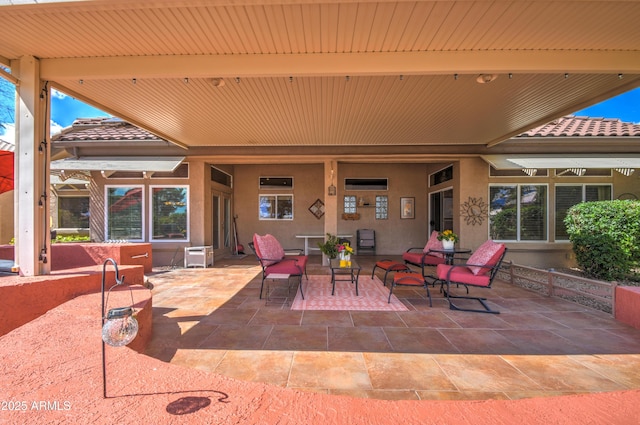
column 448, row 238
column 330, row 246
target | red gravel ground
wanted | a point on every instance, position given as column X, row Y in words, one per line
column 51, row 373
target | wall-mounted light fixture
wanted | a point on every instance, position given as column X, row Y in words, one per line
column 331, row 190
column 42, row 200
column 486, row 78
column 119, row 325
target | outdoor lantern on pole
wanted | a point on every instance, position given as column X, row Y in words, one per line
column 119, row 326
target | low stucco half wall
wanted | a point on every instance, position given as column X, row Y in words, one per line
column 627, row 307
column 22, row 299
column 66, row 256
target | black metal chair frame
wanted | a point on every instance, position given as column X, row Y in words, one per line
column 404, row 281
column 394, row 266
column 422, row 263
column 492, row 274
column 279, row 260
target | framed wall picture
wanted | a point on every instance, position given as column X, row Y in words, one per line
column 407, row 207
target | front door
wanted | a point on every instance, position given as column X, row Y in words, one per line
column 222, row 236
column 441, row 210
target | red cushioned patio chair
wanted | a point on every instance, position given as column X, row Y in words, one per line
column 276, row 260
column 424, row 257
column 479, row 271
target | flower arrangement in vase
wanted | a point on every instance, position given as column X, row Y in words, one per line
column 345, row 251
column 330, row 246
column 448, row 239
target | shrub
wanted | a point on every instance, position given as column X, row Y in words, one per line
column 71, row 238
column 605, row 237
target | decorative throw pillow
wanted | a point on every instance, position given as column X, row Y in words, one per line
column 487, row 254
column 433, row 243
column 269, row 248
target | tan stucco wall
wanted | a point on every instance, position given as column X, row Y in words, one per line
column 626, row 187
column 393, row 235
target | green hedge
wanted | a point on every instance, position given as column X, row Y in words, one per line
column 606, row 237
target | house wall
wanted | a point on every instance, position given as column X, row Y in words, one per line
column 470, row 180
column 393, row 235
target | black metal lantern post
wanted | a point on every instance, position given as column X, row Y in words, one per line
column 119, row 326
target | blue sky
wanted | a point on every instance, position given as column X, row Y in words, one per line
column 65, row 109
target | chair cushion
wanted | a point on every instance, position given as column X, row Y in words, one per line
column 416, row 258
column 408, row 278
column 433, row 243
column 390, row 265
column 488, row 254
column 293, row 265
column 268, row 249
column 462, row 274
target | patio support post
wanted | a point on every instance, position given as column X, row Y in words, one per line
column 330, row 201
column 31, row 194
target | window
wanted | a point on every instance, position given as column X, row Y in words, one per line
column 169, row 213
column 124, row 213
column 275, row 207
column 441, row 176
column 219, row 176
column 382, row 204
column 276, row 183
column 366, row 184
column 518, row 212
column 350, row 204
column 73, row 212
column 569, row 195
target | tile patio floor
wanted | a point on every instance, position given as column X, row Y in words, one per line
column 212, row 319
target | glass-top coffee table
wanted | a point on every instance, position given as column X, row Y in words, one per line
column 352, row 272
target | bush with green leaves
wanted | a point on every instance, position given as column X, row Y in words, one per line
column 605, row 237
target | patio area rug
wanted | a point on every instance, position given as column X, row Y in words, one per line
column 372, row 295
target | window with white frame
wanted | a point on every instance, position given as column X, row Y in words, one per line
column 518, row 212
column 124, row 212
column 382, row 207
column 568, row 195
column 169, row 213
column 275, row 207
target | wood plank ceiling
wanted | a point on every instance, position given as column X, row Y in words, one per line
column 311, row 73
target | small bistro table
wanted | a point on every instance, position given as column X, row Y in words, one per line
column 450, row 253
column 352, row 271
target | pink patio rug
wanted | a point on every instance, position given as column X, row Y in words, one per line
column 372, row 295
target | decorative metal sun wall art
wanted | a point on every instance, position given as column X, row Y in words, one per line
column 474, row 211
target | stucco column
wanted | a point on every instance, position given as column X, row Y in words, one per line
column 330, row 201
column 31, row 194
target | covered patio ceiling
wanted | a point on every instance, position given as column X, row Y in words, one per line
column 301, row 77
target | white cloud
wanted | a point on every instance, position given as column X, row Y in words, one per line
column 57, row 94
column 55, row 128
column 8, row 133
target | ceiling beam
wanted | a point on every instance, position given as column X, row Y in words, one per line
column 323, row 64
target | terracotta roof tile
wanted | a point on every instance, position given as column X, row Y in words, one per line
column 86, row 129
column 572, row 126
